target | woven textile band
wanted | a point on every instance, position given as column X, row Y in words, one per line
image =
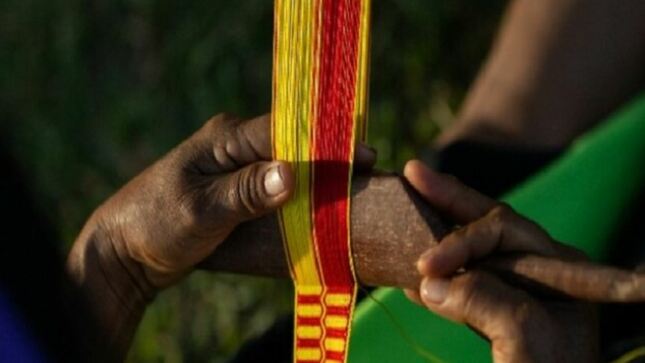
column 319, row 110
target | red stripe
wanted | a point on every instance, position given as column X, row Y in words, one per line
column 309, row 321
column 336, row 333
column 309, row 299
column 337, row 310
column 333, row 133
column 331, row 151
column 308, row 343
column 334, row 355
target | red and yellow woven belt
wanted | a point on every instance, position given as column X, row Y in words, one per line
column 320, row 76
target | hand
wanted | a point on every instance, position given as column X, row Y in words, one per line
column 155, row 229
column 521, row 326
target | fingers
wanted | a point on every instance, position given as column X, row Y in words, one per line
column 364, row 157
column 496, row 310
column 501, row 230
column 252, row 191
column 225, row 143
column 255, row 134
column 236, row 143
column 490, row 226
column 258, row 134
column 446, row 193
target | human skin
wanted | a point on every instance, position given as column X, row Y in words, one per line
column 556, row 68
column 539, row 89
column 520, row 326
column 153, row 231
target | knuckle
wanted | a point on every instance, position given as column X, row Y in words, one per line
column 215, row 122
column 241, row 139
column 222, row 122
column 471, row 280
column 470, row 301
column 503, row 211
column 501, row 214
column 221, row 133
column 480, row 302
column 469, row 284
column 483, row 303
column 226, row 117
column 246, row 195
column 229, row 120
column 222, row 158
column 470, row 233
column 522, row 321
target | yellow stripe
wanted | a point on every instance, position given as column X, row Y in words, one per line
column 336, row 321
column 309, row 310
column 309, row 332
column 310, row 290
column 341, row 300
column 309, row 354
column 362, row 77
column 292, row 123
column 335, row 344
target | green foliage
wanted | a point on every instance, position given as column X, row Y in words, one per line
column 93, row 91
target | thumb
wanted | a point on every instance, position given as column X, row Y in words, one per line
column 254, row 190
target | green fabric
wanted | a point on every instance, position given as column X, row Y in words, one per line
column 578, row 199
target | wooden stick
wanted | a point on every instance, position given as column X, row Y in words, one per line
column 391, row 228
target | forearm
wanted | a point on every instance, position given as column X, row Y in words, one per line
column 114, row 287
column 556, row 68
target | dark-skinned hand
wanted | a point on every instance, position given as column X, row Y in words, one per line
column 166, row 220
column 521, row 326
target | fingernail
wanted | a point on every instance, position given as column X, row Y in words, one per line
column 365, row 152
column 273, row 183
column 427, row 263
column 422, row 265
column 434, row 290
column 368, row 147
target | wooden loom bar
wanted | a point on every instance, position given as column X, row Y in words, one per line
column 389, row 230
column 391, row 226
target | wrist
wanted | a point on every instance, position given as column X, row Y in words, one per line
column 114, row 285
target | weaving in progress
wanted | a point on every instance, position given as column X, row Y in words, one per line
column 320, row 73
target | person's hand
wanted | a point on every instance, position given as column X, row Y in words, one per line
column 521, row 326
column 166, row 220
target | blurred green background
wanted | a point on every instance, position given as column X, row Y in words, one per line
column 93, row 91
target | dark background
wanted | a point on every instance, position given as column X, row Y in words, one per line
column 93, row 91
